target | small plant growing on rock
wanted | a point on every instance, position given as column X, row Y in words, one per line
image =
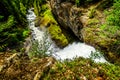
column 95, row 55
column 41, row 48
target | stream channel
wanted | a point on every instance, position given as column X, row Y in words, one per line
column 76, row 49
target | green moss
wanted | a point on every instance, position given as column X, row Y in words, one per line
column 112, row 71
column 105, row 38
column 82, row 68
column 92, row 13
column 93, row 21
column 97, row 36
column 47, row 18
column 44, row 7
column 23, row 9
column 37, row 7
column 57, row 35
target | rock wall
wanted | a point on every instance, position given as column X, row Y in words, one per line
column 67, row 15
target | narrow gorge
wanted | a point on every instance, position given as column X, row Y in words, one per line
column 76, row 49
column 59, row 40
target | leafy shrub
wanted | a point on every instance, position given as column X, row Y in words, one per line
column 13, row 25
column 41, row 48
column 95, row 55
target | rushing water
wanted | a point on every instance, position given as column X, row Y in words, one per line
column 76, row 49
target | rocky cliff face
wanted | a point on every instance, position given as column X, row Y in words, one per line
column 67, row 15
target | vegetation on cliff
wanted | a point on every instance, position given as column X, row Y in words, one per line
column 100, row 29
column 103, row 29
column 12, row 23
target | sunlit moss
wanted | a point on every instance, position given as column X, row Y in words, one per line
column 92, row 13
column 47, row 18
column 93, row 21
column 57, row 35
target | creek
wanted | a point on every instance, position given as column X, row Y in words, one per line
column 76, row 49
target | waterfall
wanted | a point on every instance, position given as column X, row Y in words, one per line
column 76, row 49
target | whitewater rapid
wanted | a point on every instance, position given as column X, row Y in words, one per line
column 76, row 49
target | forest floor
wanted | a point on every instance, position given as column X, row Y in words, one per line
column 20, row 67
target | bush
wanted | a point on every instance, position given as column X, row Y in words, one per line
column 41, row 48
column 13, row 28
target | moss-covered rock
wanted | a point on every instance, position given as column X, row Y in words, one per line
column 104, row 38
column 47, row 20
column 57, row 35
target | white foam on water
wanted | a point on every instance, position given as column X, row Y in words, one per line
column 37, row 34
column 76, row 49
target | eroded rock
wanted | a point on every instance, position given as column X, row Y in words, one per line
column 68, row 16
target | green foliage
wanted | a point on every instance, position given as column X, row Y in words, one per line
column 47, row 18
column 37, row 4
column 112, row 71
column 96, row 55
column 44, row 7
column 92, row 13
column 57, row 35
column 13, row 23
column 8, row 24
column 41, row 49
column 79, row 68
column 6, row 35
column 112, row 26
column 77, row 2
column 26, row 33
column 23, row 9
column 93, row 21
column 114, row 14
